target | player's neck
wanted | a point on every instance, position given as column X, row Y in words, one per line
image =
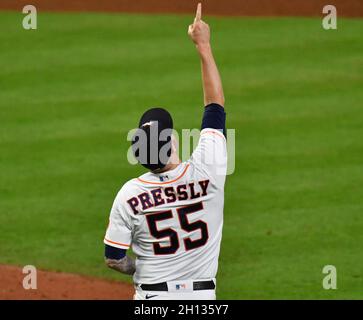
column 170, row 166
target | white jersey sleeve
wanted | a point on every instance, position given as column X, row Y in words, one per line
column 210, row 155
column 119, row 230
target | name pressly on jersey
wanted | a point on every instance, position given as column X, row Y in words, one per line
column 160, row 196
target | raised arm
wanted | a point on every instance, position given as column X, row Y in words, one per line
column 212, row 85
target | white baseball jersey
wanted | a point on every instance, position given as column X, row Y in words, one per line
column 173, row 220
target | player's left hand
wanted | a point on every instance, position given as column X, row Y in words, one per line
column 199, row 31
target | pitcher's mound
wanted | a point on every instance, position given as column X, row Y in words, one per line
column 54, row 285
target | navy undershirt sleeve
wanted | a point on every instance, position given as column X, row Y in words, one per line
column 214, row 117
column 114, row 253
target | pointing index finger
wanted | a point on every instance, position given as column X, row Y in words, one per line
column 198, row 15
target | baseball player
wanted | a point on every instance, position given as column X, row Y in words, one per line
column 172, row 216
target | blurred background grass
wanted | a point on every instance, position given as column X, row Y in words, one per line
column 71, row 90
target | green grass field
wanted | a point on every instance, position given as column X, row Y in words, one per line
column 71, row 90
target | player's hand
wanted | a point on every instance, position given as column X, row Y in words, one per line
column 199, row 31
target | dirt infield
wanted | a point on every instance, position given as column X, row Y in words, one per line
column 349, row 8
column 60, row 286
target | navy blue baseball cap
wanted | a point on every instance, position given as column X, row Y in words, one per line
column 151, row 143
